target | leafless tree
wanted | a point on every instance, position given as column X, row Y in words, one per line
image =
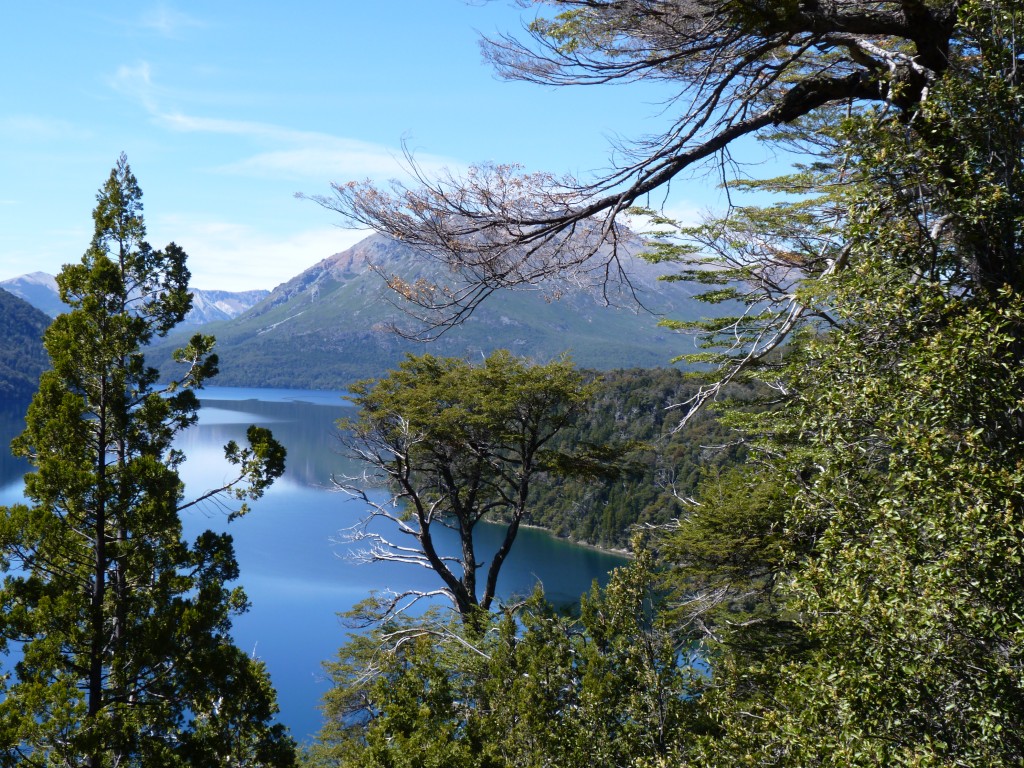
column 739, row 69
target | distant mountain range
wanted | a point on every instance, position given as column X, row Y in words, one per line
column 214, row 306
column 28, row 304
column 329, row 325
column 40, row 290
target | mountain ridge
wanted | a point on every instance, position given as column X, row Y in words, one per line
column 329, row 325
column 40, row 290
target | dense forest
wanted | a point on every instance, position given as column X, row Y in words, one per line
column 661, row 464
column 22, row 358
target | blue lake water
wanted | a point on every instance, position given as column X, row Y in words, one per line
column 295, row 567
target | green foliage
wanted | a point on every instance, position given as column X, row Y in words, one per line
column 902, row 545
column 728, row 552
column 402, row 703
column 855, row 585
column 455, row 443
column 529, row 688
column 22, row 357
column 897, row 540
column 764, row 264
column 659, row 466
column 914, row 592
column 123, row 653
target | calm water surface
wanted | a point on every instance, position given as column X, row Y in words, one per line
column 297, row 572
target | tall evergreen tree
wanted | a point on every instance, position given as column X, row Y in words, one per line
column 120, row 628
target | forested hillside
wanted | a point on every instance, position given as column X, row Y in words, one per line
column 661, row 468
column 22, row 357
column 39, row 289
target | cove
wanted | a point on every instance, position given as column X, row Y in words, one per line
column 295, row 567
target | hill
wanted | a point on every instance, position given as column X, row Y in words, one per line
column 329, row 325
column 662, row 467
column 22, row 357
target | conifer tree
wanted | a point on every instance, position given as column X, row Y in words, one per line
column 118, row 629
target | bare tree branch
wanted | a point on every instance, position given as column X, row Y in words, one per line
column 738, row 71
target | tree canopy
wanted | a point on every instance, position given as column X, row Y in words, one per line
column 453, row 444
column 893, row 535
column 611, row 687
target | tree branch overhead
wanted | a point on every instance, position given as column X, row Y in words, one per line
column 736, row 70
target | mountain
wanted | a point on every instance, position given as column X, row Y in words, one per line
column 37, row 288
column 212, row 306
column 329, row 325
column 22, row 357
column 40, row 290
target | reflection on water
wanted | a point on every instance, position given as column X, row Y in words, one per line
column 305, row 429
column 297, row 576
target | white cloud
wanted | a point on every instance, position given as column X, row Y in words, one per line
column 277, row 151
column 168, row 22
column 683, row 212
column 192, row 124
column 686, row 212
column 239, row 256
column 228, row 256
column 338, row 158
column 306, row 154
column 136, row 82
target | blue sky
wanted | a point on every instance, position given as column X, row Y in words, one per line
column 227, row 109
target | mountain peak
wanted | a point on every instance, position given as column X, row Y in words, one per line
column 40, row 278
column 38, row 289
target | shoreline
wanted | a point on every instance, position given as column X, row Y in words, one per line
column 625, row 554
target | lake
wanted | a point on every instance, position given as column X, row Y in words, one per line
column 295, row 568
